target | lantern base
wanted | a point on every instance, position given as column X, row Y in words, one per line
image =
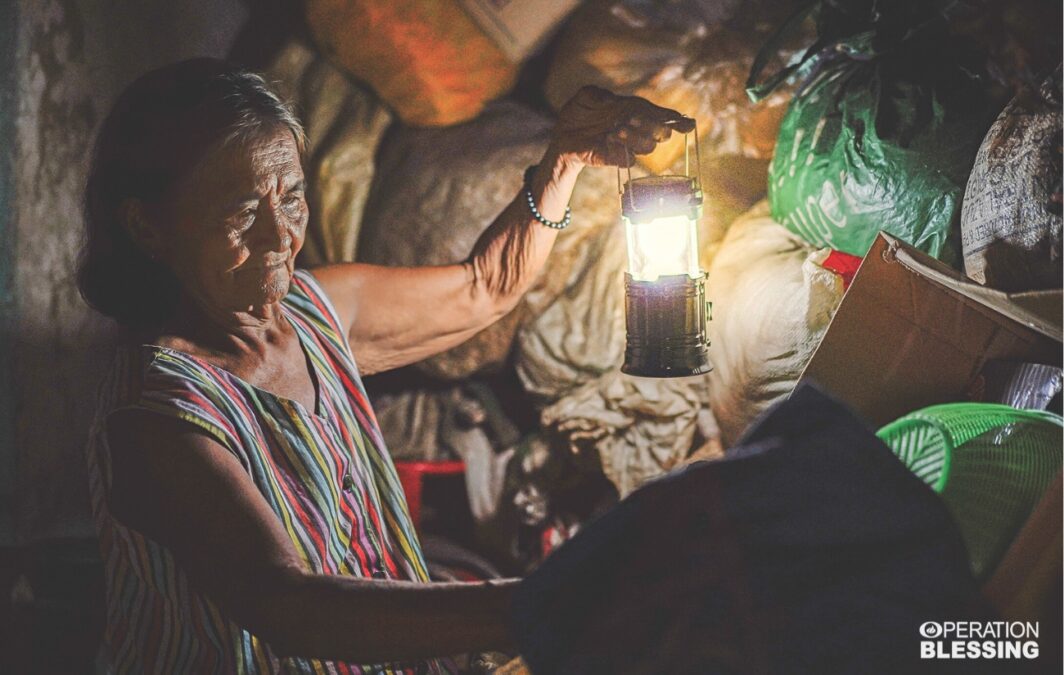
column 666, row 323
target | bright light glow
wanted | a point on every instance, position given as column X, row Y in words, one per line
column 662, row 247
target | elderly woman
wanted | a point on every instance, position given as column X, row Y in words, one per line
column 248, row 511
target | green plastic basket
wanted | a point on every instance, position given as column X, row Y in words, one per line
column 991, row 463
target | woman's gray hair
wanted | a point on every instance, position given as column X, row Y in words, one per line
column 160, row 127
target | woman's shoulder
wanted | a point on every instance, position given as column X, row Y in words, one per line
column 307, row 298
column 171, row 384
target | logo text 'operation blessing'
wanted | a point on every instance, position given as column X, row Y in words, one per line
column 978, row 640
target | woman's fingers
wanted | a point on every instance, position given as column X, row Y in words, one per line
column 612, row 130
column 662, row 132
column 642, row 145
column 645, row 124
column 649, row 114
column 617, row 153
column 639, row 142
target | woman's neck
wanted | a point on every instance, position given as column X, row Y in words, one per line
column 195, row 326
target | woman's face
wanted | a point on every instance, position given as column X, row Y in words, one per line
column 235, row 224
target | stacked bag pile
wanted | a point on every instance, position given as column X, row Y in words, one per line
column 819, row 124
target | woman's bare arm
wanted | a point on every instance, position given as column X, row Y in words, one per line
column 185, row 491
column 400, row 315
column 397, row 316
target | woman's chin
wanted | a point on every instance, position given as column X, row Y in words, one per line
column 275, row 287
column 267, row 290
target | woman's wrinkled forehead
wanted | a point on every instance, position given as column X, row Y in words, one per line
column 241, row 166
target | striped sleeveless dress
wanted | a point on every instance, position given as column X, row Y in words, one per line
column 325, row 473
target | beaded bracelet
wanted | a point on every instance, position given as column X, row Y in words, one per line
column 559, row 225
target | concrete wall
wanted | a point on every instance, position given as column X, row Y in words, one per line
column 70, row 58
column 8, row 113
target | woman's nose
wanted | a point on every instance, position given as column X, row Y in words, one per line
column 275, row 233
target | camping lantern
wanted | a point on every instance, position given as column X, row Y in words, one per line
column 665, row 297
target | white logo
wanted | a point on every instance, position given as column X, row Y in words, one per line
column 979, row 640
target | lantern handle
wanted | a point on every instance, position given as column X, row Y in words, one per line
column 686, row 166
column 687, row 156
column 698, row 159
column 631, row 186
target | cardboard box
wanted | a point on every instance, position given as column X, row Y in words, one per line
column 912, row 332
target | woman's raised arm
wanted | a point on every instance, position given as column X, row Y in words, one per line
column 398, row 315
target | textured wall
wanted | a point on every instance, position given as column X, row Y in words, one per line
column 8, row 112
column 72, row 58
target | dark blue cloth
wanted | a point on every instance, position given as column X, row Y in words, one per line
column 809, row 549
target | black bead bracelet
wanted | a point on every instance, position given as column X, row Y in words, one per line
column 557, row 225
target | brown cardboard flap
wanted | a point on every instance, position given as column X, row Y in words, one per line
column 911, row 332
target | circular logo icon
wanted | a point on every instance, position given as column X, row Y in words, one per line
column 930, row 629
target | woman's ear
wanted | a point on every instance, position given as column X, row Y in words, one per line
column 140, row 228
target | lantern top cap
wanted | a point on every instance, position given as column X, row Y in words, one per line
column 651, row 197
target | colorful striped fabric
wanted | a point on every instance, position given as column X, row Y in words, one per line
column 326, row 474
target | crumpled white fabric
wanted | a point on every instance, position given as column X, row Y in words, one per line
column 580, row 336
column 772, row 303
column 640, row 427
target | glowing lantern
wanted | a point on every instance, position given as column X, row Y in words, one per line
column 665, row 298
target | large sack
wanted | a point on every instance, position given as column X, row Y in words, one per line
column 1011, row 219
column 436, row 192
column 772, row 302
column 428, row 60
column 883, row 131
column 344, row 125
column 690, row 55
column 519, row 29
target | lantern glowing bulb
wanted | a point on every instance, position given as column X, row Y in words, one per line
column 665, row 300
column 662, row 247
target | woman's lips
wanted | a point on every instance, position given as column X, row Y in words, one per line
column 268, row 266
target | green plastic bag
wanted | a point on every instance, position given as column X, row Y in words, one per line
column 882, row 132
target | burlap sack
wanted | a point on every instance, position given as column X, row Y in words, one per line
column 1011, row 215
column 344, row 125
column 436, row 192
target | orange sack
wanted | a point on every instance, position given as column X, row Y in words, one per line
column 429, row 61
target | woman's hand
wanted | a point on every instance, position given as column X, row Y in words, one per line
column 595, row 126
